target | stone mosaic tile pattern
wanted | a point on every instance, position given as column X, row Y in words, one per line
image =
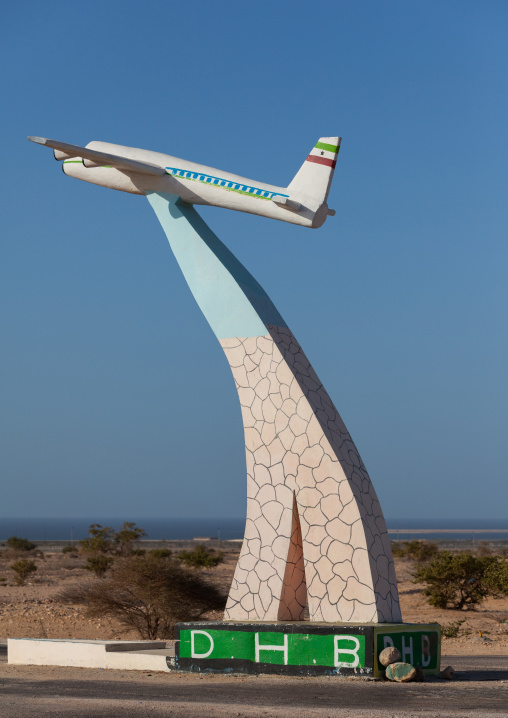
column 315, row 531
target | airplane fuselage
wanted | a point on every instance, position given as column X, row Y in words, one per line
column 193, row 183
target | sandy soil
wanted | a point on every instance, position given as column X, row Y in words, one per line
column 32, row 611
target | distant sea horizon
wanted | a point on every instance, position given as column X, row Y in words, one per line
column 72, row 529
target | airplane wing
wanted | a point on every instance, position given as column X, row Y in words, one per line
column 62, row 150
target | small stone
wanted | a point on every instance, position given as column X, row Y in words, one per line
column 389, row 655
column 481, row 639
column 400, row 672
column 447, row 673
column 419, row 675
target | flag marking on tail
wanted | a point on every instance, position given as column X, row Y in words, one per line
column 322, row 161
column 324, row 154
column 326, row 146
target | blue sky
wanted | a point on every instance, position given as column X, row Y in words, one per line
column 116, row 398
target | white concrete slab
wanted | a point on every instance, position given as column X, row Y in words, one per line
column 129, row 655
column 140, row 660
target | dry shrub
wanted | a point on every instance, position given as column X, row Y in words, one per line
column 201, row 557
column 149, row 594
column 100, row 541
column 462, row 580
column 103, row 544
column 418, row 550
column 23, row 569
column 98, row 564
column 161, row 553
column 453, row 630
column 484, row 549
column 127, row 538
column 20, row 544
column 501, row 618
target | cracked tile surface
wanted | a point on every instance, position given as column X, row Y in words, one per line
column 315, row 532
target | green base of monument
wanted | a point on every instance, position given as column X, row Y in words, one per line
column 303, row 648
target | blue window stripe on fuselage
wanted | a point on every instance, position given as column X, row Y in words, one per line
column 218, row 181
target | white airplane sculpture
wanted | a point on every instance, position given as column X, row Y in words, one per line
column 315, row 533
column 141, row 171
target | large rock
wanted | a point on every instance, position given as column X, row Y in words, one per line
column 400, row 672
column 389, row 655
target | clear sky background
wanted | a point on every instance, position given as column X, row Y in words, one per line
column 116, row 399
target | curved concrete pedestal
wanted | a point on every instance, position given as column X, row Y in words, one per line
column 315, row 533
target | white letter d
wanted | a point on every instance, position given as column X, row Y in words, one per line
column 193, row 652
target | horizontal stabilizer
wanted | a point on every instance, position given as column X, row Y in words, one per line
column 286, row 202
column 64, row 150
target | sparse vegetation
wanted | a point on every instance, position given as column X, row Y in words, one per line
column 417, row 550
column 452, row 630
column 497, row 576
column 23, row 608
column 98, row 564
column 201, row 557
column 502, row 618
column 148, row 593
column 23, row 569
column 68, row 549
column 161, row 553
column 20, row 544
column 484, row 549
column 104, row 544
column 126, row 538
column 101, row 540
column 462, row 580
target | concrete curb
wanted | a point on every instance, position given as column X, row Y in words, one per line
column 127, row 655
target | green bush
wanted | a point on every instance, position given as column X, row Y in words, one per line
column 417, row 550
column 452, row 630
column 20, row 544
column 68, row 549
column 462, row 580
column 161, row 553
column 126, row 538
column 98, row 564
column 104, row 544
column 106, row 541
column 200, row 557
column 23, row 569
column 101, row 540
column 497, row 576
column 147, row 593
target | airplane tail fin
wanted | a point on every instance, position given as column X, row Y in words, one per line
column 315, row 176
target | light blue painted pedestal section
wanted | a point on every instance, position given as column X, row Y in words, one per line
column 234, row 304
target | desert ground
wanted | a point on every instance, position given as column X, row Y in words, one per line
column 34, row 611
